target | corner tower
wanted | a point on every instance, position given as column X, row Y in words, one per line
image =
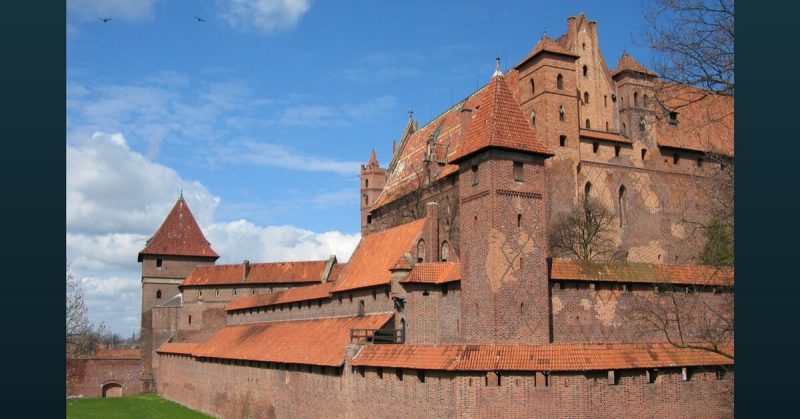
column 502, row 193
column 177, row 247
column 373, row 179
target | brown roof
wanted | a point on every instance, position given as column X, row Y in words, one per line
column 180, row 235
column 260, row 273
column 606, row 136
column 546, row 45
column 628, row 63
column 402, row 264
column 376, row 254
column 705, row 120
column 434, row 273
column 336, row 272
column 313, row 342
column 576, row 270
column 293, row 295
column 499, row 123
column 178, row 348
column 551, row 357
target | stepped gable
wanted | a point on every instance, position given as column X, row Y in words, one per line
column 257, row 273
column 434, row 273
column 607, row 271
column 628, row 63
column 408, row 165
column 546, row 45
column 550, row 357
column 293, row 295
column 376, row 254
column 310, row 342
column 179, row 235
column 499, row 123
column 704, row 123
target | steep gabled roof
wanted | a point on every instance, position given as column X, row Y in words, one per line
column 499, row 123
column 546, row 45
column 705, row 120
column 179, row 235
column 376, row 254
column 628, row 63
column 259, row 273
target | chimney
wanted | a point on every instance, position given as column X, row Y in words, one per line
column 246, row 270
column 432, row 231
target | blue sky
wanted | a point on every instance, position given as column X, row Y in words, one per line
column 262, row 114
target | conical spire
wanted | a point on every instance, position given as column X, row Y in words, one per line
column 179, row 235
column 373, row 158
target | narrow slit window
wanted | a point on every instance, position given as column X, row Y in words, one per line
column 562, row 113
column 588, row 124
column 616, row 150
column 585, row 98
column 519, row 220
column 560, row 82
column 562, row 141
column 595, row 147
column 518, row 171
column 474, row 175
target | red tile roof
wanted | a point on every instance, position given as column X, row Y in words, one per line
column 179, row 235
column 336, row 272
column 576, row 270
column 260, row 273
column 309, row 292
column 402, row 264
column 546, row 45
column 499, row 123
column 628, row 63
column 312, row 342
column 376, row 254
column 606, row 136
column 705, row 120
column 551, row 357
column 434, row 273
column 178, row 348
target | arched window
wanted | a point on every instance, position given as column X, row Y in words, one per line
column 533, row 118
column 158, row 294
column 585, row 98
column 588, row 124
column 421, row 251
column 533, row 87
column 622, row 205
column 562, row 113
column 635, row 99
column 445, row 252
column 641, row 125
column 585, row 71
column 560, row 82
column 587, row 191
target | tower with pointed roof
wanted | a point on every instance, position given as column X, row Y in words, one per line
column 373, row 179
column 502, row 193
column 635, row 88
column 176, row 248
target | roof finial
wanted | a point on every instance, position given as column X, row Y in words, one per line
column 181, row 198
column 410, row 114
column 544, row 34
column 497, row 71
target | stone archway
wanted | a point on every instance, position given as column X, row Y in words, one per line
column 111, row 389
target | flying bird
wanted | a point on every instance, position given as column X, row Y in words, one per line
column 199, row 19
column 105, row 19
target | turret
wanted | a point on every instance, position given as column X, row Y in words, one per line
column 373, row 179
column 635, row 90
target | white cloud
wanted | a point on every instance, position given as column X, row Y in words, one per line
column 341, row 197
column 105, row 252
column 265, row 15
column 115, row 9
column 274, row 155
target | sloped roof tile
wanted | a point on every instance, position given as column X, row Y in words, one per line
column 628, row 63
column 434, row 273
column 546, row 45
column 260, row 273
column 179, row 235
column 293, row 295
column 576, row 270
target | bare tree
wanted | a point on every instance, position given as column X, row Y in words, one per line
column 585, row 232
column 78, row 324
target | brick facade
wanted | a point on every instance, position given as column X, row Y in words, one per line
column 101, row 375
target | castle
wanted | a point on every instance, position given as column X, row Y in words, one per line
column 458, row 302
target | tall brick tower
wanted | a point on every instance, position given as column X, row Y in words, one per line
column 177, row 247
column 373, row 179
column 635, row 90
column 502, row 192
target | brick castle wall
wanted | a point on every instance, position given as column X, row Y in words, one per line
column 86, row 376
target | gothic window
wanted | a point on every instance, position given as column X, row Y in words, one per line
column 445, row 252
column 518, row 171
column 644, row 153
column 159, row 263
column 622, row 205
column 560, row 82
column 474, row 175
column 588, row 124
column 158, row 294
column 366, row 183
column 562, row 140
column 366, row 199
column 616, row 150
column 635, row 99
column 595, row 147
column 585, row 71
column 533, row 118
column 585, row 98
column 587, row 191
column 641, row 125
column 562, row 113
column 533, row 87
column 421, row 251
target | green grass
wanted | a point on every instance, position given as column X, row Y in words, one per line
column 144, row 406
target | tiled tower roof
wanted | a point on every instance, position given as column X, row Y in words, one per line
column 628, row 63
column 546, row 45
column 179, row 235
column 499, row 123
